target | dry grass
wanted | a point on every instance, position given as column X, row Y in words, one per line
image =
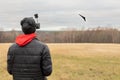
column 77, row 62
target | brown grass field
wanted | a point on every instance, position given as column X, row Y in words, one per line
column 77, row 61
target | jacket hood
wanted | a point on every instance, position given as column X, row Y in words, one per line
column 24, row 39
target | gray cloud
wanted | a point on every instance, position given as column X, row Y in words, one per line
column 56, row 14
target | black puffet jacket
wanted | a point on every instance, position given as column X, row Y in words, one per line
column 31, row 62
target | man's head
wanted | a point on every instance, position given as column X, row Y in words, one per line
column 28, row 25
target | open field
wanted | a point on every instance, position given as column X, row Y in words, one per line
column 77, row 61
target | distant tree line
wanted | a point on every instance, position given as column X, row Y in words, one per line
column 98, row 35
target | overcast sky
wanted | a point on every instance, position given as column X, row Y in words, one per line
column 59, row 14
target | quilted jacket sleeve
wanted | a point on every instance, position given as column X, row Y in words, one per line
column 46, row 62
column 9, row 61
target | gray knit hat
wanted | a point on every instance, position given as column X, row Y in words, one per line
column 28, row 25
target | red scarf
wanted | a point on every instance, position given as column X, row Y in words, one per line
column 24, row 39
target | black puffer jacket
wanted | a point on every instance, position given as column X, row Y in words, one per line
column 31, row 62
